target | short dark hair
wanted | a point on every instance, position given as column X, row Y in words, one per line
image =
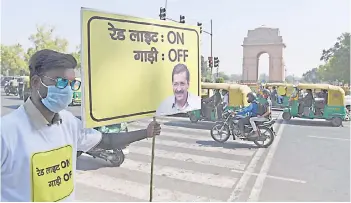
column 47, row 59
column 180, row 68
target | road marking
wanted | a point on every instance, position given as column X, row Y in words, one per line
column 329, row 138
column 274, row 177
column 208, row 148
column 181, row 174
column 249, row 170
column 257, row 188
column 133, row 189
column 246, row 176
column 231, row 164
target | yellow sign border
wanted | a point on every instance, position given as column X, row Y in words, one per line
column 135, row 22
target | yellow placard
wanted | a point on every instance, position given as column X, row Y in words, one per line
column 52, row 174
column 128, row 64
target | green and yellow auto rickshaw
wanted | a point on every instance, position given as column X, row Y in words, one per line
column 330, row 107
column 77, row 96
column 284, row 91
column 253, row 86
column 209, row 111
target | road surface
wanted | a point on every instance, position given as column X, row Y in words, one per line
column 303, row 164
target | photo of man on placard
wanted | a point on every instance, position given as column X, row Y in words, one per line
column 182, row 101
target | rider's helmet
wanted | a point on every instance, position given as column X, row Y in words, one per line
column 266, row 93
column 251, row 96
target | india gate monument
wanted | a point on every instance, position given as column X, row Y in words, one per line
column 258, row 41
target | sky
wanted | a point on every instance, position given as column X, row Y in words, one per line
column 307, row 26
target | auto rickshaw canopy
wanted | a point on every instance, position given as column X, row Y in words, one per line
column 282, row 88
column 336, row 95
column 237, row 92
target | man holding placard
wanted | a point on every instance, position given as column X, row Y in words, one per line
column 182, row 101
column 40, row 139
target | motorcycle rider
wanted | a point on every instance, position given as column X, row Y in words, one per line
column 251, row 110
column 264, row 115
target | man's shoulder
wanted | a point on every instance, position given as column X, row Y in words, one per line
column 68, row 118
column 12, row 119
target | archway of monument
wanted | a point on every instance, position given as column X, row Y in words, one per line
column 258, row 41
column 263, row 66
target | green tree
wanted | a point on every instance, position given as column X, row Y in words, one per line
column 222, row 75
column 220, row 80
column 12, row 60
column 337, row 61
column 311, row 76
column 205, row 70
column 44, row 38
column 76, row 55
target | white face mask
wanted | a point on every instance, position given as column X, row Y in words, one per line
column 57, row 99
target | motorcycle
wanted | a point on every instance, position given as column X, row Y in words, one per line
column 10, row 90
column 229, row 126
column 115, row 156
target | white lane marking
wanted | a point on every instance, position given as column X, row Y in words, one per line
column 248, row 171
column 274, row 177
column 133, row 189
column 225, row 163
column 245, row 177
column 181, row 174
column 257, row 188
column 208, row 148
column 329, row 138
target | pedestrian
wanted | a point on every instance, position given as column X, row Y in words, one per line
column 40, row 139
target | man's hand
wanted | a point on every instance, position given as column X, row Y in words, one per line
column 153, row 129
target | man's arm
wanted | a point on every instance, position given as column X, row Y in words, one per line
column 268, row 109
column 91, row 138
column 119, row 140
column 246, row 110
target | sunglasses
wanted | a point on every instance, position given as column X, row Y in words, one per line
column 62, row 83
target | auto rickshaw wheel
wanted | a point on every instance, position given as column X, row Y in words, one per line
column 286, row 116
column 193, row 118
column 336, row 121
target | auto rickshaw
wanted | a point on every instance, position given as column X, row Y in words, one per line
column 25, row 88
column 23, row 84
column 284, row 91
column 253, row 86
column 77, row 96
column 209, row 112
column 332, row 108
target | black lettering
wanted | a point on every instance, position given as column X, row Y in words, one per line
column 180, row 38
column 185, row 54
column 141, row 36
column 67, row 162
column 171, row 36
column 175, row 37
column 172, row 55
column 40, row 172
column 178, row 55
column 55, row 182
column 116, row 33
column 67, row 176
column 145, row 56
column 63, row 164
